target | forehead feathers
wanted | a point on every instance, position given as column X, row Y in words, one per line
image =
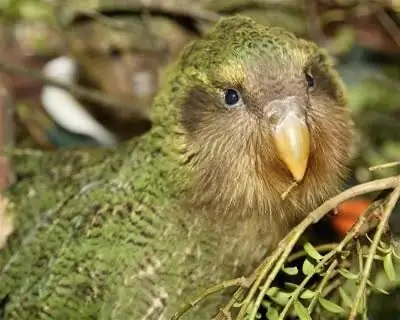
column 236, row 42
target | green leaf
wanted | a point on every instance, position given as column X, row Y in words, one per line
column 291, row 285
column 278, row 296
column 307, row 294
column 346, row 299
column 330, row 306
column 272, row 291
column 344, row 254
column 308, row 267
column 312, row 252
column 281, row 298
column 301, row 311
column 347, row 274
column 384, row 248
column 383, row 245
column 389, row 268
column 369, row 282
column 394, row 252
column 290, row 270
column 272, row 314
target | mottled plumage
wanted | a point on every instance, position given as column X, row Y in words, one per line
column 134, row 233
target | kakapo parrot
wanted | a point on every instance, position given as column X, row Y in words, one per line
column 135, row 232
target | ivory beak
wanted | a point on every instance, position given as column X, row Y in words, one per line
column 292, row 141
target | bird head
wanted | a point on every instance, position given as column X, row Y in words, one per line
column 261, row 109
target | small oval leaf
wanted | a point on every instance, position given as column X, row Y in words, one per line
column 347, row 274
column 272, row 314
column 291, row 285
column 278, row 296
column 389, row 267
column 384, row 250
column 312, row 252
column 330, row 306
column 308, row 267
column 281, row 298
column 345, row 297
column 383, row 245
column 397, row 257
column 301, row 311
column 272, row 291
column 291, row 271
column 307, row 294
column 369, row 282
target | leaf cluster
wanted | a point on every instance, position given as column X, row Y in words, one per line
column 332, row 281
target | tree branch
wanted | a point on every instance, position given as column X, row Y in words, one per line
column 272, row 264
column 394, row 197
column 94, row 96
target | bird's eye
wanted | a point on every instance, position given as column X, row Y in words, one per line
column 310, row 81
column 115, row 53
column 232, row 97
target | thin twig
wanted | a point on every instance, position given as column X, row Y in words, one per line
column 94, row 96
column 235, row 297
column 368, row 264
column 321, row 248
column 194, row 12
column 264, row 268
column 290, row 240
column 361, row 267
column 384, row 166
column 390, row 26
column 223, row 285
column 322, row 284
column 334, row 285
column 281, row 253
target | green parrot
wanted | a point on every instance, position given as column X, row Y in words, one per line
column 137, row 231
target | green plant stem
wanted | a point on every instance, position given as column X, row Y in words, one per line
column 264, row 268
column 322, row 285
column 223, row 285
column 321, row 248
column 328, row 289
column 361, row 267
column 287, row 244
column 290, row 240
column 368, row 264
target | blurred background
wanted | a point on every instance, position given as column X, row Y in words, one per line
column 83, row 74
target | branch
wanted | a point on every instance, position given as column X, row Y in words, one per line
column 368, row 264
column 291, row 239
column 242, row 281
column 273, row 263
column 194, row 12
column 94, row 96
column 384, row 166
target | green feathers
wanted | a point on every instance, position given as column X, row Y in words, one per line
column 132, row 233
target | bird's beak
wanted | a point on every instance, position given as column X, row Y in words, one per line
column 291, row 136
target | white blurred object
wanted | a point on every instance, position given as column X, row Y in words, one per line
column 65, row 109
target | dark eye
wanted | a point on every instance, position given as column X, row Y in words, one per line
column 115, row 53
column 232, row 97
column 310, row 81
